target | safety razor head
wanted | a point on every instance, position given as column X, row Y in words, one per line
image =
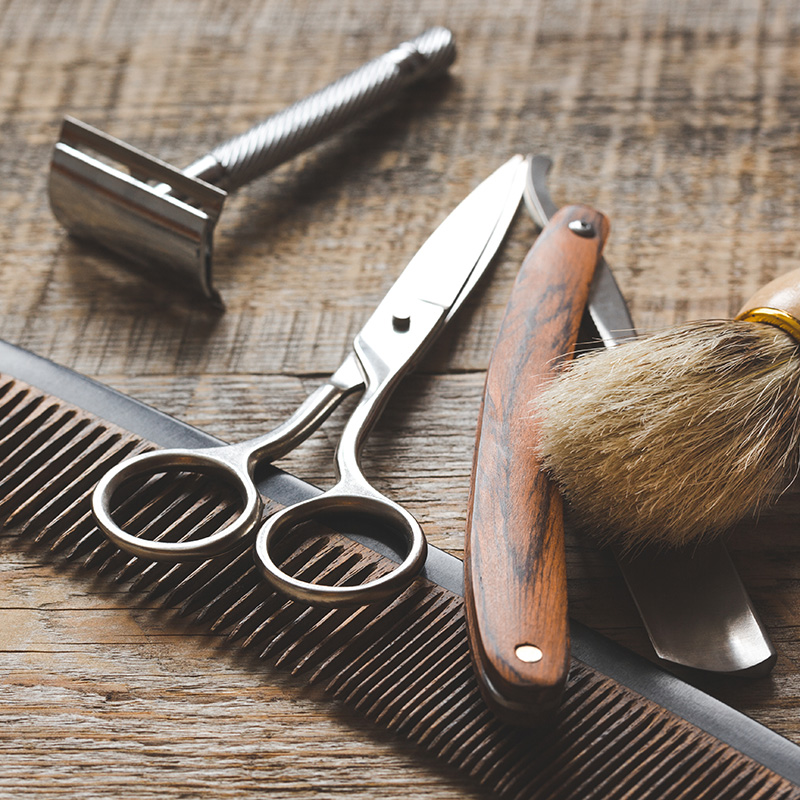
column 153, row 215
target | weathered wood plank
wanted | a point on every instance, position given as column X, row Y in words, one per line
column 680, row 120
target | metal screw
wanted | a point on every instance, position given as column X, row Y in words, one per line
column 582, row 228
column 529, row 653
column 401, row 320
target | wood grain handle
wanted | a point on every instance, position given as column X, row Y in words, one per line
column 777, row 303
column 783, row 294
column 516, row 590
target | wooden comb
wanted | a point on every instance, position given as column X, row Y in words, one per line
column 405, row 664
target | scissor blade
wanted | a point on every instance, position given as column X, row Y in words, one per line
column 606, row 306
column 450, row 262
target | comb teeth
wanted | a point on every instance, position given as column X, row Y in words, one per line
column 404, row 664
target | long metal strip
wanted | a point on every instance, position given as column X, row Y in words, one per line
column 696, row 707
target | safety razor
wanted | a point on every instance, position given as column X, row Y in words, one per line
column 161, row 219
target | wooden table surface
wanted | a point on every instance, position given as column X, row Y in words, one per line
column 680, row 120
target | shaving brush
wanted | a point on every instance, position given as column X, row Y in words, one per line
column 675, row 437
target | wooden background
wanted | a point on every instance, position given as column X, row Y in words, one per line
column 680, row 120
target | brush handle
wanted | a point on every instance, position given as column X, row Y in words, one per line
column 782, row 293
column 515, row 572
column 777, row 303
column 306, row 122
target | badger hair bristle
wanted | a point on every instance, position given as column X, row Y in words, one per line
column 677, row 436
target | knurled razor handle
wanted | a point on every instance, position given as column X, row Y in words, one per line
column 515, row 566
column 306, row 122
column 162, row 219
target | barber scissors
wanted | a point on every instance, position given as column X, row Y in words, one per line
column 422, row 300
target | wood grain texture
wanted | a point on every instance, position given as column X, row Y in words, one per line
column 514, row 562
column 403, row 664
column 679, row 119
column 781, row 294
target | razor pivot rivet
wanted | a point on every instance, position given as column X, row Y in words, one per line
column 582, row 228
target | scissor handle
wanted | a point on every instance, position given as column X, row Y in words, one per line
column 228, row 463
column 384, row 355
column 233, row 463
column 365, row 503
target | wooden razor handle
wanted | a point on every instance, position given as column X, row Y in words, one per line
column 515, row 570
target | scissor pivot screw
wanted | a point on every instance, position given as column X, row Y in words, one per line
column 582, row 228
column 401, row 321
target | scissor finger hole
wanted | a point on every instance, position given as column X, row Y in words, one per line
column 174, row 505
column 343, row 572
column 171, row 513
